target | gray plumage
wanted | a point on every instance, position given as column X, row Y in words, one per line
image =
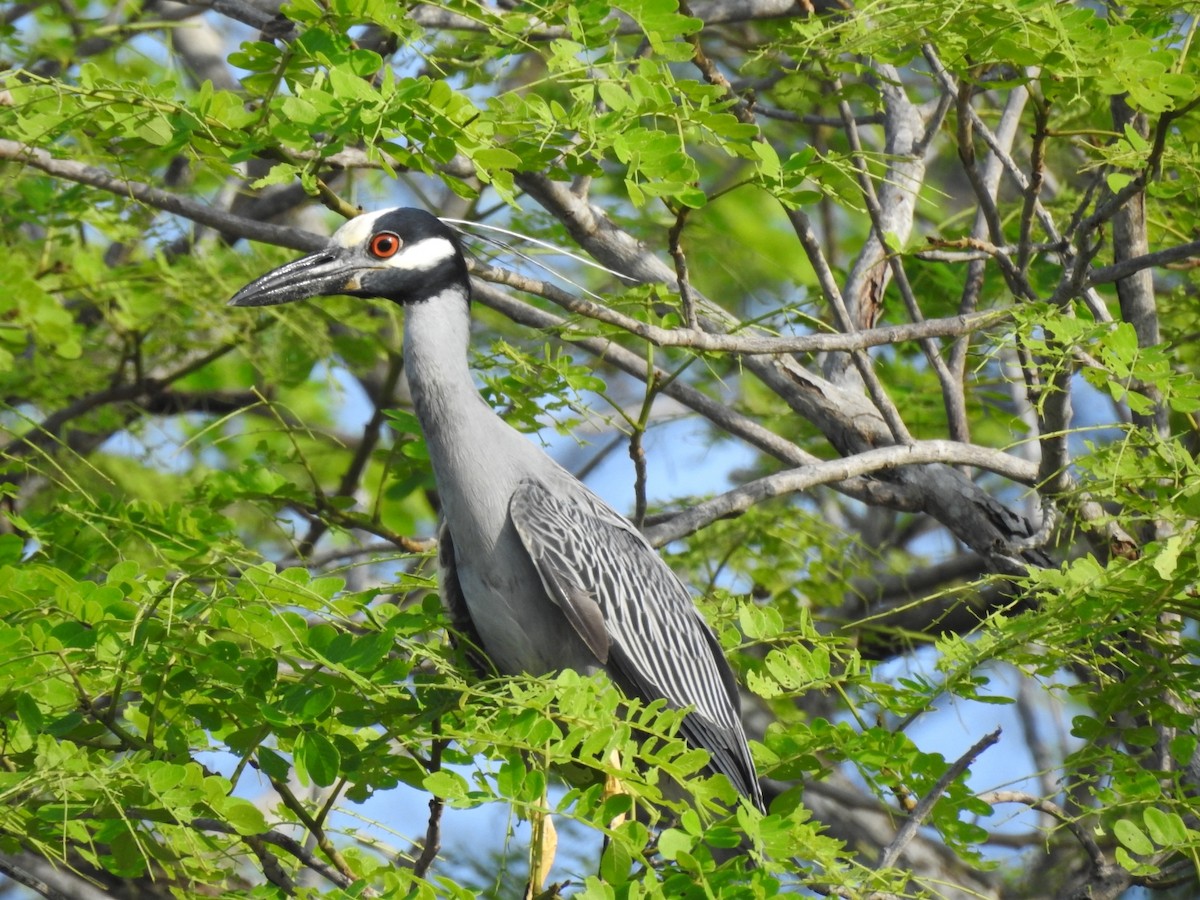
column 542, row 571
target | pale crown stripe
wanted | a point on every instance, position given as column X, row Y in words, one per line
column 357, row 230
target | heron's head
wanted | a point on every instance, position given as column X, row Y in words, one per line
column 401, row 254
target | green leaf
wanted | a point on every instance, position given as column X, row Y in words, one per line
column 1132, row 837
column 1166, row 560
column 244, row 816
column 615, row 862
column 299, row 110
column 272, row 764
column 768, row 160
column 316, row 702
column 614, row 96
column 318, row 757
column 29, row 713
column 673, row 842
column 446, row 784
column 12, row 548
column 1183, row 748
column 365, row 62
column 350, row 87
column 489, row 158
column 1167, row 829
column 1135, row 139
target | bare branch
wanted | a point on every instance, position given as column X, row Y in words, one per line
column 257, row 15
column 1037, row 161
column 42, row 877
column 1094, row 303
column 285, row 843
column 1082, row 833
column 316, row 832
column 433, row 831
column 707, row 341
column 808, row 240
column 168, row 201
column 900, row 188
column 151, row 394
column 806, row 477
column 1126, row 267
column 674, row 238
column 909, row 829
column 852, row 816
column 1135, row 291
column 322, row 510
column 984, row 194
column 993, row 169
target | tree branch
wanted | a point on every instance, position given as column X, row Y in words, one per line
column 42, row 877
column 709, row 342
column 1094, row 303
column 1126, row 267
column 285, row 843
column 1082, row 833
column 901, row 186
column 806, row 477
column 909, row 829
column 167, row 201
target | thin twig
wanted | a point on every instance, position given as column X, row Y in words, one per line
column 313, row 827
column 909, row 829
column 322, row 508
column 332, row 200
column 285, row 843
column 226, row 222
column 637, row 453
column 362, row 454
column 269, row 862
column 952, row 390
column 686, row 298
column 1127, row 267
column 433, row 831
column 1037, row 160
column 1094, row 303
column 698, row 339
column 1016, row 281
column 1049, row 807
column 714, row 76
column 812, row 248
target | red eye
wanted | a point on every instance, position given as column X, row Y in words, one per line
column 384, row 245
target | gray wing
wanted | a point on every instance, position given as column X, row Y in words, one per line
column 634, row 613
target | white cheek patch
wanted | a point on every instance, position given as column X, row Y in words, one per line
column 357, row 230
column 426, row 254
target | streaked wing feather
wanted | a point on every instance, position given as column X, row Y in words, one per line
column 590, row 558
column 577, row 603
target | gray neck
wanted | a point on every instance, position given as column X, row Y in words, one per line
column 436, row 333
column 472, row 450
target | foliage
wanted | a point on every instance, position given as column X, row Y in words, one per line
column 917, row 278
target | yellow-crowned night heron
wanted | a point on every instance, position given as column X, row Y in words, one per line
column 543, row 572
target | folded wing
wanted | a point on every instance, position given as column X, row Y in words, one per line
column 635, row 615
